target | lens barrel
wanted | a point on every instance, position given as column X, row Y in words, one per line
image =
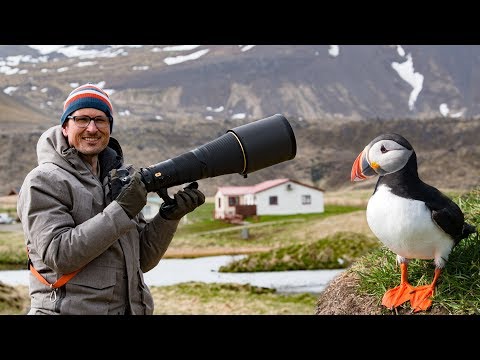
column 243, row 150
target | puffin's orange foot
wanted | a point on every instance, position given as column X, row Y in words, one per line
column 420, row 298
column 397, row 296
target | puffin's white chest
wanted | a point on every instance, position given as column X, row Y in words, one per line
column 406, row 227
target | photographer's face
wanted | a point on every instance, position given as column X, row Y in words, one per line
column 89, row 141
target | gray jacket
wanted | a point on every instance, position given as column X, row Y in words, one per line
column 69, row 223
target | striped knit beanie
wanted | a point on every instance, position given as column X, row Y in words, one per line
column 87, row 96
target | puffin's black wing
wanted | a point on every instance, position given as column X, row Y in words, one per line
column 446, row 213
column 447, row 218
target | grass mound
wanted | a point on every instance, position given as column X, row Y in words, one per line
column 334, row 252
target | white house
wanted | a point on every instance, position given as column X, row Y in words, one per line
column 272, row 197
column 152, row 206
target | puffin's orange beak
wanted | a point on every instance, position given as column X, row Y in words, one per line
column 361, row 169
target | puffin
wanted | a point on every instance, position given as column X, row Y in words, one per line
column 412, row 219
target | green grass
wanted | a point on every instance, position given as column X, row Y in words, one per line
column 329, row 211
column 201, row 220
column 13, row 252
column 267, row 231
column 458, row 289
column 338, row 251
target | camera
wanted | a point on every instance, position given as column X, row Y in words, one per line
column 243, row 150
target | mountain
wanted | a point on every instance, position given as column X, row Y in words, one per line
column 170, row 99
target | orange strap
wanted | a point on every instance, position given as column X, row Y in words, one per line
column 60, row 282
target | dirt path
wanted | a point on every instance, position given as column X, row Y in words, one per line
column 11, row 227
column 246, row 224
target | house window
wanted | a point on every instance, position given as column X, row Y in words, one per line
column 306, row 199
column 233, row 200
column 273, row 200
column 219, row 203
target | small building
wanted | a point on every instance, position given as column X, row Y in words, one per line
column 152, row 206
column 6, row 219
column 14, row 191
column 272, row 197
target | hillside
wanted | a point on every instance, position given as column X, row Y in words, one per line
column 308, row 82
column 171, row 99
column 448, row 151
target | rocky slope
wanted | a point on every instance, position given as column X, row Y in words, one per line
column 336, row 101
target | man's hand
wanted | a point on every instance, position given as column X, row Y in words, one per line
column 186, row 201
column 133, row 196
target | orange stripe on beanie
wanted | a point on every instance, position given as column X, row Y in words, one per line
column 87, row 96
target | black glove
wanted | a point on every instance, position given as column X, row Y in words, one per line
column 185, row 201
column 133, row 195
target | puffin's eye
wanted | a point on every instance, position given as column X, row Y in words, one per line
column 383, row 149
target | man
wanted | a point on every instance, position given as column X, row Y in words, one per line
column 89, row 244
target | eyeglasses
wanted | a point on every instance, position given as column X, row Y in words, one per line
column 82, row 121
